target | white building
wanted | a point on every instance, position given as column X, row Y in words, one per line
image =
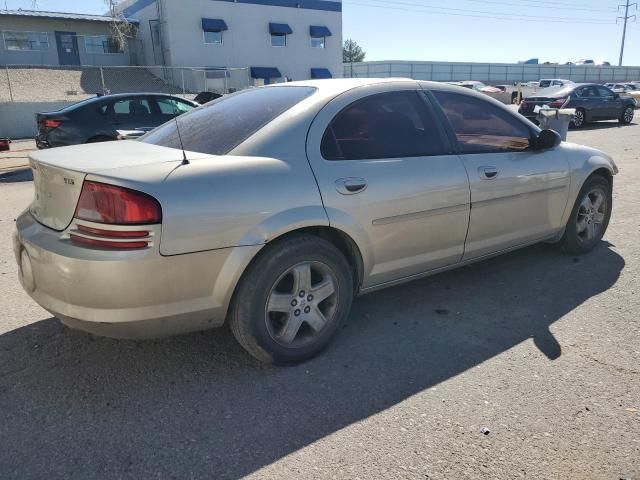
column 273, row 39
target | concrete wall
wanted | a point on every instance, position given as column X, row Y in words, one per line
column 82, row 28
column 494, row 73
column 18, row 119
column 247, row 43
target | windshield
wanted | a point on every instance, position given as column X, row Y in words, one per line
column 219, row 126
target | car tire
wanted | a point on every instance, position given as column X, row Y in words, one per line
column 99, row 139
column 579, row 118
column 274, row 314
column 589, row 217
column 627, row 116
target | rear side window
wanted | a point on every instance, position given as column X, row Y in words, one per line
column 482, row 127
column 132, row 106
column 219, row 126
column 385, row 125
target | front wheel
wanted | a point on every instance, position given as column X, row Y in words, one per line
column 292, row 300
column 589, row 218
column 627, row 116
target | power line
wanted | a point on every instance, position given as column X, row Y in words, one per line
column 387, row 4
column 555, row 5
column 624, row 29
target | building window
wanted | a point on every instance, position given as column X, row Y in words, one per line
column 317, row 42
column 102, row 44
column 278, row 40
column 214, row 38
column 26, row 40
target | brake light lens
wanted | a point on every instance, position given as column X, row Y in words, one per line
column 109, row 204
column 51, row 123
column 558, row 102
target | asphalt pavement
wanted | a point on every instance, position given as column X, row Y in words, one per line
column 523, row 366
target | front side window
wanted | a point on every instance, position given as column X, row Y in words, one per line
column 385, row 125
column 318, row 42
column 605, row 92
column 169, row 106
column 482, row 127
column 102, row 44
column 219, row 126
column 214, row 38
column 278, row 40
column 26, row 40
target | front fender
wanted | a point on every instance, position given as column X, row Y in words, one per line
column 584, row 161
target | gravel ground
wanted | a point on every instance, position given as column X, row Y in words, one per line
column 540, row 348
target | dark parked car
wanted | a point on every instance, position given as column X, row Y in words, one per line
column 592, row 102
column 100, row 119
column 206, row 97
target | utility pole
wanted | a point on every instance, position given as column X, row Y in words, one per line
column 624, row 28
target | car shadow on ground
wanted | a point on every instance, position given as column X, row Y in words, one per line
column 197, row 406
column 15, row 176
column 601, row 126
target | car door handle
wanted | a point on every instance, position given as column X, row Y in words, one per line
column 350, row 185
column 488, row 173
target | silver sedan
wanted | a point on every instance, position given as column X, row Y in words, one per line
column 271, row 208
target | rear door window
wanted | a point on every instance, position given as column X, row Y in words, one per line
column 219, row 126
column 482, row 127
column 385, row 125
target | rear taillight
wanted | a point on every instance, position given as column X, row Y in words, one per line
column 102, row 203
column 110, row 205
column 559, row 102
column 50, row 122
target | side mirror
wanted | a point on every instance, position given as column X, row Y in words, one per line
column 545, row 140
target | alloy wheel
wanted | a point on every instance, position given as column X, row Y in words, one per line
column 578, row 118
column 591, row 215
column 628, row 115
column 301, row 304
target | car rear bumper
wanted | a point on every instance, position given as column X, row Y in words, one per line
column 126, row 294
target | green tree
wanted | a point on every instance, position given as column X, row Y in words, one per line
column 352, row 52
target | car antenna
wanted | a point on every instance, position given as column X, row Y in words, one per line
column 185, row 160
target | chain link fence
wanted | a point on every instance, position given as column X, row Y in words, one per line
column 491, row 73
column 25, row 83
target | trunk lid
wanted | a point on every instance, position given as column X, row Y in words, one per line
column 58, row 173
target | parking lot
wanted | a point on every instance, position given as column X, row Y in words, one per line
column 526, row 365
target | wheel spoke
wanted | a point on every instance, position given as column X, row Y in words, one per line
column 586, row 203
column 302, row 277
column 323, row 290
column 279, row 302
column 582, row 224
column 316, row 319
column 598, row 218
column 290, row 329
column 599, row 201
column 591, row 231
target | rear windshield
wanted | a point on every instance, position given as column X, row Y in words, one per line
column 219, row 126
column 545, row 83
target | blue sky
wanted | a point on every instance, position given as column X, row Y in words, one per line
column 467, row 30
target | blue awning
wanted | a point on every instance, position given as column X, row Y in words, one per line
column 280, row 29
column 319, row 31
column 321, row 73
column 265, row 72
column 213, row 25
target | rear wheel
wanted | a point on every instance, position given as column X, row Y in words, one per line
column 589, row 218
column 579, row 118
column 292, row 300
column 627, row 116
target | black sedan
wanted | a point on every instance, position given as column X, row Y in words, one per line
column 592, row 102
column 110, row 117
